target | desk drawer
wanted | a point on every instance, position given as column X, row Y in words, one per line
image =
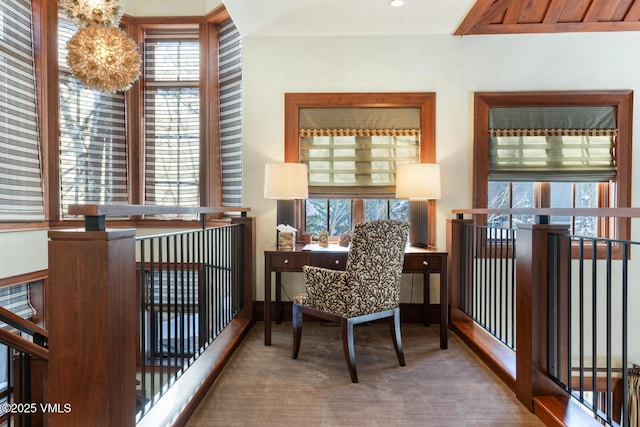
column 332, row 261
column 288, row 262
column 420, row 263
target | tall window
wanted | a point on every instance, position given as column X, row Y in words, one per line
column 172, row 117
column 21, row 190
column 549, row 150
column 352, row 144
column 230, row 92
column 93, row 149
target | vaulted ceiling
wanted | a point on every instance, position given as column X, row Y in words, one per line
column 325, row 18
column 550, row 16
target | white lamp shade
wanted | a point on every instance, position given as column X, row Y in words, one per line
column 286, row 181
column 418, row 181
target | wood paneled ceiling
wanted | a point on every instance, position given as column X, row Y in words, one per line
column 550, row 16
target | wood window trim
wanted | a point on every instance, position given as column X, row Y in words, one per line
column 426, row 101
column 621, row 99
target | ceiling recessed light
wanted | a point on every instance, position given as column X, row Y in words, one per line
column 396, row 3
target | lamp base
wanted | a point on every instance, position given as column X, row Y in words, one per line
column 419, row 219
column 286, row 212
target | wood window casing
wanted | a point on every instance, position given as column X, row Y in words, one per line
column 423, row 100
column 45, row 24
column 621, row 188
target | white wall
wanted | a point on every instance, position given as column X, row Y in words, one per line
column 169, row 7
column 452, row 67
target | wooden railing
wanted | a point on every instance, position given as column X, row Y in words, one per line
column 527, row 370
column 93, row 316
column 26, row 369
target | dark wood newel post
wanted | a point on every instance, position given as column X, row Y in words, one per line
column 455, row 229
column 532, row 270
column 92, row 327
column 249, row 256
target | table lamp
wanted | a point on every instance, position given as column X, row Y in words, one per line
column 418, row 182
column 286, row 182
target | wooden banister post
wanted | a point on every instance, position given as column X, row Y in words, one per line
column 92, row 327
column 455, row 230
column 532, row 275
column 249, row 259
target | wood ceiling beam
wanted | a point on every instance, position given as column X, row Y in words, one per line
column 633, row 14
column 472, row 17
column 593, row 12
column 554, row 12
column 497, row 8
column 563, row 27
column 586, row 16
column 513, row 13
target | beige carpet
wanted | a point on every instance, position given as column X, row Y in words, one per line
column 263, row 386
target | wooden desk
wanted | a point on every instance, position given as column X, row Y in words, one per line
column 416, row 260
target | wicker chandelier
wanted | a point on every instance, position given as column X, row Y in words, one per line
column 101, row 56
column 87, row 12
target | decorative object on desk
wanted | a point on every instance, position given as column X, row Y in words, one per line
column 286, row 182
column 368, row 289
column 418, row 182
column 286, row 238
column 323, row 239
column 345, row 239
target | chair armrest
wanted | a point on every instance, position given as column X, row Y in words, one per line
column 327, row 289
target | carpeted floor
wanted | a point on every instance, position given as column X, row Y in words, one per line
column 263, row 386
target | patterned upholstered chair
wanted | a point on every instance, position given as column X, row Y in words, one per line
column 368, row 289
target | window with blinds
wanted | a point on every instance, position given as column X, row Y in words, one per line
column 16, row 299
column 93, row 149
column 172, row 117
column 21, row 187
column 355, row 151
column 230, row 93
column 545, row 144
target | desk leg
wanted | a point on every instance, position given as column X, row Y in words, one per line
column 444, row 306
column 267, row 302
column 278, row 297
column 426, row 298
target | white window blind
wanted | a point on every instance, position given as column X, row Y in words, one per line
column 544, row 144
column 21, row 190
column 16, row 299
column 172, row 117
column 354, row 152
column 230, row 93
column 93, row 149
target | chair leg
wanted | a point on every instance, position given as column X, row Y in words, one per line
column 394, row 324
column 297, row 331
column 347, row 344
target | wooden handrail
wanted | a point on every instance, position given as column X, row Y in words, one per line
column 95, row 215
column 115, row 210
column 23, row 325
column 23, row 345
column 599, row 212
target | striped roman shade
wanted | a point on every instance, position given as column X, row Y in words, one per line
column 544, row 144
column 172, row 117
column 354, row 152
column 21, row 187
column 16, row 300
column 230, row 92
column 93, row 149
